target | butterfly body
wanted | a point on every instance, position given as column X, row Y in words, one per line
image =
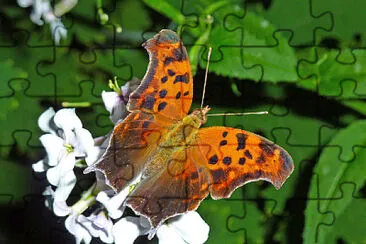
column 180, row 163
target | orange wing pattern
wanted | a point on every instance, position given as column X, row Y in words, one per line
column 233, row 157
column 167, row 87
column 131, row 144
column 177, row 188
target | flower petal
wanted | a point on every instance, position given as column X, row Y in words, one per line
column 191, row 227
column 80, row 233
column 115, row 205
column 127, row 229
column 67, row 163
column 167, row 233
column 40, row 166
column 65, row 186
column 83, row 143
column 98, row 225
column 110, row 99
column 60, row 208
column 54, row 146
column 44, row 121
column 24, row 3
column 67, row 119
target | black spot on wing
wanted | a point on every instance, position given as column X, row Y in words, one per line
column 186, row 93
column 224, row 134
column 149, row 102
column 171, row 72
column 213, row 160
column 261, row 159
column 163, row 93
column 241, row 161
column 168, row 60
column 241, row 140
column 182, row 78
column 164, row 79
column 178, row 95
column 161, row 106
column 227, row 160
column 223, row 143
column 248, row 154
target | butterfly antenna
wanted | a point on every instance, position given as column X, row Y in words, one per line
column 206, row 73
column 238, row 114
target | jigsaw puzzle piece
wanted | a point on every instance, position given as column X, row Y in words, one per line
column 19, row 103
column 25, row 59
column 302, row 20
column 328, row 73
column 347, row 154
column 250, row 221
column 248, row 54
column 346, row 17
column 349, row 224
column 217, row 213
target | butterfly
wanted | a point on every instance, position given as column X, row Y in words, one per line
column 179, row 163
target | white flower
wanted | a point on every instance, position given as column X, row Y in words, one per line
column 115, row 205
column 127, row 229
column 115, row 101
column 66, row 140
column 43, row 12
column 185, row 228
column 98, row 225
column 80, row 233
column 40, row 7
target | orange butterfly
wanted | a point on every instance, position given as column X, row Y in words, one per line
column 179, row 163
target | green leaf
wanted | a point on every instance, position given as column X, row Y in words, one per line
column 9, row 72
column 350, row 225
column 346, row 16
column 321, row 71
column 342, row 160
column 233, row 220
column 141, row 20
column 295, row 16
column 167, row 9
column 245, row 48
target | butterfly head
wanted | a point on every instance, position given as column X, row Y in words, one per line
column 165, row 38
column 200, row 114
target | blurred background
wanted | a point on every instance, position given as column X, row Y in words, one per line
column 302, row 61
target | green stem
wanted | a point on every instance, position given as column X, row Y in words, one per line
column 87, row 199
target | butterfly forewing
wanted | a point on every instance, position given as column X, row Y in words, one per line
column 167, row 87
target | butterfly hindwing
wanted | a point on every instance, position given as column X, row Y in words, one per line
column 174, row 189
column 167, row 87
column 130, row 145
column 233, row 157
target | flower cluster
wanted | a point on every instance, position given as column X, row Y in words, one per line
column 69, row 145
column 42, row 12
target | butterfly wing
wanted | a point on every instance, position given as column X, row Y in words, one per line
column 218, row 160
column 179, row 188
column 163, row 97
column 130, row 146
column 167, row 87
column 233, row 157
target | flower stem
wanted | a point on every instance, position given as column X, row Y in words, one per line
column 87, row 199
